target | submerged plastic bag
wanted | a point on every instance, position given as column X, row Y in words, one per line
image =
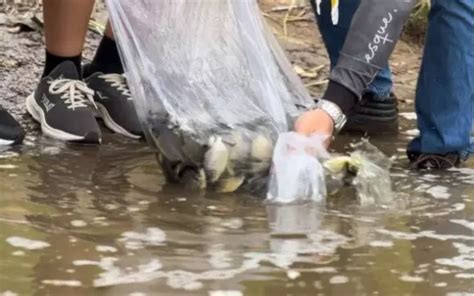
column 206, row 76
column 370, row 172
column 304, row 171
column 297, row 173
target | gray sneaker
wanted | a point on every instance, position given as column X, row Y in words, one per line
column 115, row 104
column 63, row 105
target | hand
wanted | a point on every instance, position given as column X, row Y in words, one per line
column 315, row 121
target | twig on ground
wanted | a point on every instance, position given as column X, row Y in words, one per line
column 287, row 16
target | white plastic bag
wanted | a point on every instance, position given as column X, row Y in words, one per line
column 297, row 173
column 203, row 69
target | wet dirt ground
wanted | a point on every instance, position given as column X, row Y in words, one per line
column 98, row 221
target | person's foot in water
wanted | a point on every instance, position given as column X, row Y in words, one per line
column 427, row 161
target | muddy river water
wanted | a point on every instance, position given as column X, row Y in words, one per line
column 98, row 221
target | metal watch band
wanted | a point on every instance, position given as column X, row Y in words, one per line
column 334, row 112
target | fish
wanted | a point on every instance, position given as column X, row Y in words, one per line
column 229, row 184
column 261, row 148
column 239, row 151
column 343, row 165
column 216, row 159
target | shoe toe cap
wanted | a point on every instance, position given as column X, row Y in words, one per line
column 12, row 135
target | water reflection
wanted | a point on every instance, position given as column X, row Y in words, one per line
column 112, row 229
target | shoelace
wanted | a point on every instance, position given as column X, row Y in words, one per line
column 75, row 93
column 118, row 81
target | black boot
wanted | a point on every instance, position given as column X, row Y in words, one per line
column 374, row 115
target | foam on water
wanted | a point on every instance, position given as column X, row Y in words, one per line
column 225, row 293
column 292, row 274
column 7, row 166
column 220, row 258
column 465, row 275
column 180, row 279
column 381, row 244
column 233, row 223
column 106, row 249
column 424, row 234
column 467, row 224
column 411, row 278
column 25, row 243
column 442, row 271
column 466, row 171
column 439, row 192
column 338, row 279
column 153, row 236
column 459, row 207
column 465, row 259
column 327, row 269
column 283, row 255
column 78, row 223
column 87, row 262
column 66, row 283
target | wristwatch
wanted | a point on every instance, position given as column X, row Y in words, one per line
column 333, row 110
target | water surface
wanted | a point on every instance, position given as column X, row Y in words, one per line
column 98, row 221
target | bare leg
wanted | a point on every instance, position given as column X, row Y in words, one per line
column 66, row 23
column 60, row 102
column 108, row 31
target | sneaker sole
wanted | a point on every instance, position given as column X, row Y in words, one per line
column 111, row 124
column 37, row 113
column 6, row 142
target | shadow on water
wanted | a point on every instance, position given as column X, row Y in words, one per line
column 99, row 222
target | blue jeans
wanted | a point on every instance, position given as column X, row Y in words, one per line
column 472, row 132
column 445, row 93
column 335, row 35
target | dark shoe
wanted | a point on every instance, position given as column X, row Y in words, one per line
column 374, row 116
column 423, row 161
column 115, row 104
column 62, row 105
column 11, row 132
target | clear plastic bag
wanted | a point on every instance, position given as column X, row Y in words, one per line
column 297, row 172
column 368, row 170
column 373, row 181
column 206, row 70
